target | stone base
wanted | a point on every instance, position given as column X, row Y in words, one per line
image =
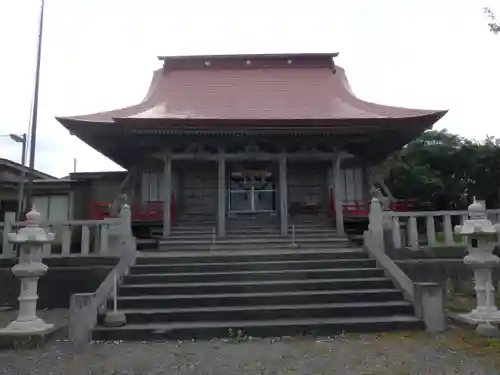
column 26, row 328
column 475, row 318
column 487, row 330
column 114, row 319
column 15, row 336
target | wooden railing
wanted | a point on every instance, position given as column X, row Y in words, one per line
column 72, row 237
column 418, row 229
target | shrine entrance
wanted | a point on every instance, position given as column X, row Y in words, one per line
column 252, row 191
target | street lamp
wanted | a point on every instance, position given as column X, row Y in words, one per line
column 20, row 139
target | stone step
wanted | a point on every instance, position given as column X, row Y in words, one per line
column 260, row 298
column 249, row 237
column 256, row 230
column 261, row 275
column 254, row 286
column 232, row 224
column 253, row 328
column 257, row 239
column 247, row 248
column 268, row 312
column 260, row 241
column 261, row 256
column 242, row 266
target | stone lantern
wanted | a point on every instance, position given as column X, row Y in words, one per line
column 481, row 237
column 29, row 269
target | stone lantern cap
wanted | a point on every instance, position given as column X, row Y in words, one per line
column 32, row 232
column 478, row 223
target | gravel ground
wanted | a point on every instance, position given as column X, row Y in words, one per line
column 389, row 354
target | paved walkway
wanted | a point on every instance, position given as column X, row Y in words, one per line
column 391, row 354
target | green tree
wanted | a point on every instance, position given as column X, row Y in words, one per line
column 441, row 170
column 493, row 22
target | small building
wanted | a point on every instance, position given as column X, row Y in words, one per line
column 218, row 137
column 11, row 176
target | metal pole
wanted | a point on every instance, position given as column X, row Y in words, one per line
column 35, row 92
column 20, row 198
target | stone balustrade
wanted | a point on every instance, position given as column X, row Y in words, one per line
column 72, row 237
column 416, row 229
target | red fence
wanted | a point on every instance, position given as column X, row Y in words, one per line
column 149, row 212
column 361, row 209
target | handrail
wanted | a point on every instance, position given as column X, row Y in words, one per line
column 84, row 307
column 435, row 213
column 393, row 271
column 47, row 223
column 427, row 298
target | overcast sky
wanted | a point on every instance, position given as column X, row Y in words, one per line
column 99, row 55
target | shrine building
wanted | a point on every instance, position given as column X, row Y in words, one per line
column 221, row 137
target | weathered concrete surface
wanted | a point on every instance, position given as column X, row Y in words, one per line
column 391, row 354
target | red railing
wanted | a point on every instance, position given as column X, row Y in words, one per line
column 359, row 209
column 149, row 212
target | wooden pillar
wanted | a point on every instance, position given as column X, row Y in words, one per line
column 339, row 214
column 167, row 195
column 221, row 196
column 367, row 183
column 283, row 184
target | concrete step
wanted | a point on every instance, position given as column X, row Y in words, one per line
column 254, row 328
column 260, row 275
column 254, row 286
column 250, row 237
column 268, row 312
column 261, row 298
column 257, row 224
column 252, row 240
column 247, row 248
column 261, row 256
column 256, row 230
column 243, row 266
column 249, row 244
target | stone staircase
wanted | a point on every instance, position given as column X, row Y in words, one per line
column 258, row 283
column 251, row 232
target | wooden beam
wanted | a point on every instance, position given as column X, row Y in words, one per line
column 305, row 156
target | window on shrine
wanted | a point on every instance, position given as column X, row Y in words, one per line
column 152, row 187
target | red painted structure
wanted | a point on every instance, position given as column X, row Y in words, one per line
column 150, row 212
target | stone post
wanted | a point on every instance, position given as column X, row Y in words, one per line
column 481, row 236
column 29, row 269
column 119, row 234
column 376, row 224
column 126, row 223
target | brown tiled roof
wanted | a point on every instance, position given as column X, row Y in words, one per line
column 268, row 87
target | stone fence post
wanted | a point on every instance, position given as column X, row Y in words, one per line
column 126, row 223
column 120, row 233
column 376, row 224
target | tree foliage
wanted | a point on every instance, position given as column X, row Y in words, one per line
column 443, row 171
column 493, row 22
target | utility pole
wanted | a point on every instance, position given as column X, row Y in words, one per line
column 34, row 116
